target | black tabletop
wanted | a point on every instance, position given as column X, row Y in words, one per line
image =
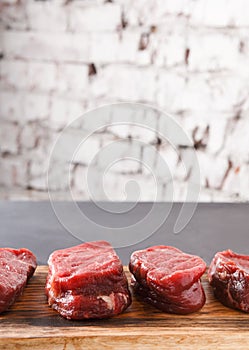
column 213, row 227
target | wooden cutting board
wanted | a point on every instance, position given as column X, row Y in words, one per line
column 32, row 324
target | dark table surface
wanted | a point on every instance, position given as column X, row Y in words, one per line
column 213, row 227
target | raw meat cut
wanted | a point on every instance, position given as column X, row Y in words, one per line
column 87, row 281
column 16, row 267
column 168, row 279
column 229, row 276
column 191, row 299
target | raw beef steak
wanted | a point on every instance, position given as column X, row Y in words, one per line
column 16, row 267
column 87, row 281
column 168, row 279
column 229, row 276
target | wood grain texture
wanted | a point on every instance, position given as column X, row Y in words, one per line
column 32, row 324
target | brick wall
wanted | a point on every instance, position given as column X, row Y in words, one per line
column 61, row 58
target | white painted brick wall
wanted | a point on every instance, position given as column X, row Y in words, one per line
column 60, row 59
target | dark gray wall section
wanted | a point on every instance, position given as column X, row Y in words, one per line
column 214, row 227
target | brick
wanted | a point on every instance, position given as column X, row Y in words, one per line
column 150, row 158
column 72, row 80
column 32, row 76
column 38, row 167
column 64, row 111
column 22, row 107
column 124, row 83
column 196, row 95
column 232, row 184
column 128, row 51
column 126, row 166
column 213, row 51
column 28, row 136
column 143, row 12
column 46, row 16
column 58, row 115
column 59, row 179
column 195, row 124
column 219, row 167
column 123, row 48
column 166, row 163
column 169, row 50
column 171, row 132
column 136, row 132
column 217, row 134
column 79, row 185
column 168, row 86
column 62, row 47
column 41, row 77
column 106, row 17
column 103, row 190
column 117, row 150
column 120, row 131
column 102, row 52
column 225, row 13
column 106, row 139
column 179, row 193
column 13, row 15
column 127, row 187
column 213, row 93
column 186, row 165
column 38, row 184
column 9, row 138
column 178, row 7
column 138, row 187
column 65, row 146
column 13, row 75
column 87, row 150
column 36, row 107
column 128, row 120
column 11, row 105
column 163, row 50
column 236, row 146
column 13, row 172
column 205, row 195
column 57, row 175
column 96, row 118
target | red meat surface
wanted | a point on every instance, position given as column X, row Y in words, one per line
column 229, row 276
column 16, row 267
column 168, row 279
column 87, row 281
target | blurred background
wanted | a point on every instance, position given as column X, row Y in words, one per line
column 62, row 58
